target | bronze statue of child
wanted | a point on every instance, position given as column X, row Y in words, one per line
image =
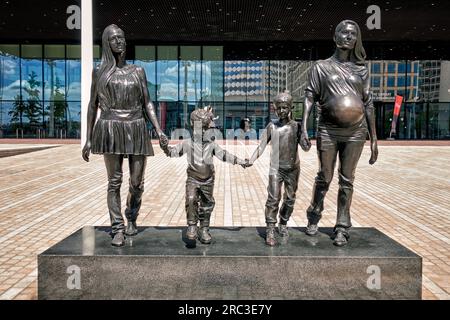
column 284, row 135
column 200, row 172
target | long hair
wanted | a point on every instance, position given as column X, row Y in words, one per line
column 358, row 54
column 108, row 63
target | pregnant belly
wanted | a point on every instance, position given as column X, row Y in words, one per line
column 343, row 111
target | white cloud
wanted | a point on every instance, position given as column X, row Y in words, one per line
column 9, row 67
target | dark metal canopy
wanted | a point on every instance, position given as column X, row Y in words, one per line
column 292, row 24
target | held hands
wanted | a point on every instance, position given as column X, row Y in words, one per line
column 246, row 163
column 305, row 143
column 86, row 151
column 163, row 142
column 374, row 151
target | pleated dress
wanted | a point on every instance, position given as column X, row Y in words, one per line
column 121, row 127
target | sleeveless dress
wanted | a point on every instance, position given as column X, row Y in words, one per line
column 122, row 128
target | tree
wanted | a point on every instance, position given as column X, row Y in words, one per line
column 17, row 112
column 33, row 106
column 57, row 108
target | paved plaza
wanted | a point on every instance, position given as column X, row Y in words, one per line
column 48, row 194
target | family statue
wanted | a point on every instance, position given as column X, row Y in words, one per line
column 339, row 89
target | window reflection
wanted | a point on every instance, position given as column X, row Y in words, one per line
column 40, row 90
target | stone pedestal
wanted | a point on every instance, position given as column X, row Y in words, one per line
column 160, row 263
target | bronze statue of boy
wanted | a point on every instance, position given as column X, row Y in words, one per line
column 284, row 135
column 200, row 172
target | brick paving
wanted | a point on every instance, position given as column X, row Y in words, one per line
column 46, row 195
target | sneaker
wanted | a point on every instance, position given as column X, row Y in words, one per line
column 191, row 232
column 270, row 236
column 340, row 239
column 131, row 228
column 312, row 229
column 204, row 235
column 283, row 230
column 118, row 240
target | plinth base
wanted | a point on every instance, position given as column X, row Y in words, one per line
column 160, row 263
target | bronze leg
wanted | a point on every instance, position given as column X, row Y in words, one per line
column 349, row 154
column 113, row 164
column 137, row 166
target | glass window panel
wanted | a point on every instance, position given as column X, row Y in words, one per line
column 388, row 114
column 391, row 81
column 54, row 79
column 213, row 53
column 172, row 118
column 257, row 113
column 297, row 79
column 145, row 57
column 190, row 78
column 32, row 81
column 32, row 51
column 9, row 72
column 190, row 73
column 413, row 125
column 167, row 53
column 235, row 78
column 190, row 53
column 73, row 79
column 167, row 73
column 391, row 67
column 167, row 80
column 55, row 118
column 73, row 118
column 376, row 67
column 8, row 125
column 258, row 80
column 54, row 51
column 234, row 112
column 73, row 52
column 376, row 82
column 439, row 120
column 212, row 81
column 97, row 52
column 278, row 77
column 10, row 49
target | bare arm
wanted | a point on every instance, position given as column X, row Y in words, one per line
column 91, row 116
column 176, row 151
column 312, row 94
column 264, row 140
column 305, row 143
column 370, row 119
column 148, row 104
column 225, row 156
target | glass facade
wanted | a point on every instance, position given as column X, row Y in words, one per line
column 40, row 90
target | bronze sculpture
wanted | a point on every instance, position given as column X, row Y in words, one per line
column 120, row 91
column 284, row 136
column 200, row 172
column 340, row 88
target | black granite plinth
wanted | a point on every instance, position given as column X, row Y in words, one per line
column 160, row 263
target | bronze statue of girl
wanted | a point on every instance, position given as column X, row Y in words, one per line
column 120, row 91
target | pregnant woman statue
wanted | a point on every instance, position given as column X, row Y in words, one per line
column 120, row 91
column 339, row 86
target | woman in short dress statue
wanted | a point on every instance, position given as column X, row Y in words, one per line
column 340, row 87
column 120, row 91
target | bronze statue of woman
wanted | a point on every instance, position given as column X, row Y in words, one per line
column 340, row 88
column 120, row 91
